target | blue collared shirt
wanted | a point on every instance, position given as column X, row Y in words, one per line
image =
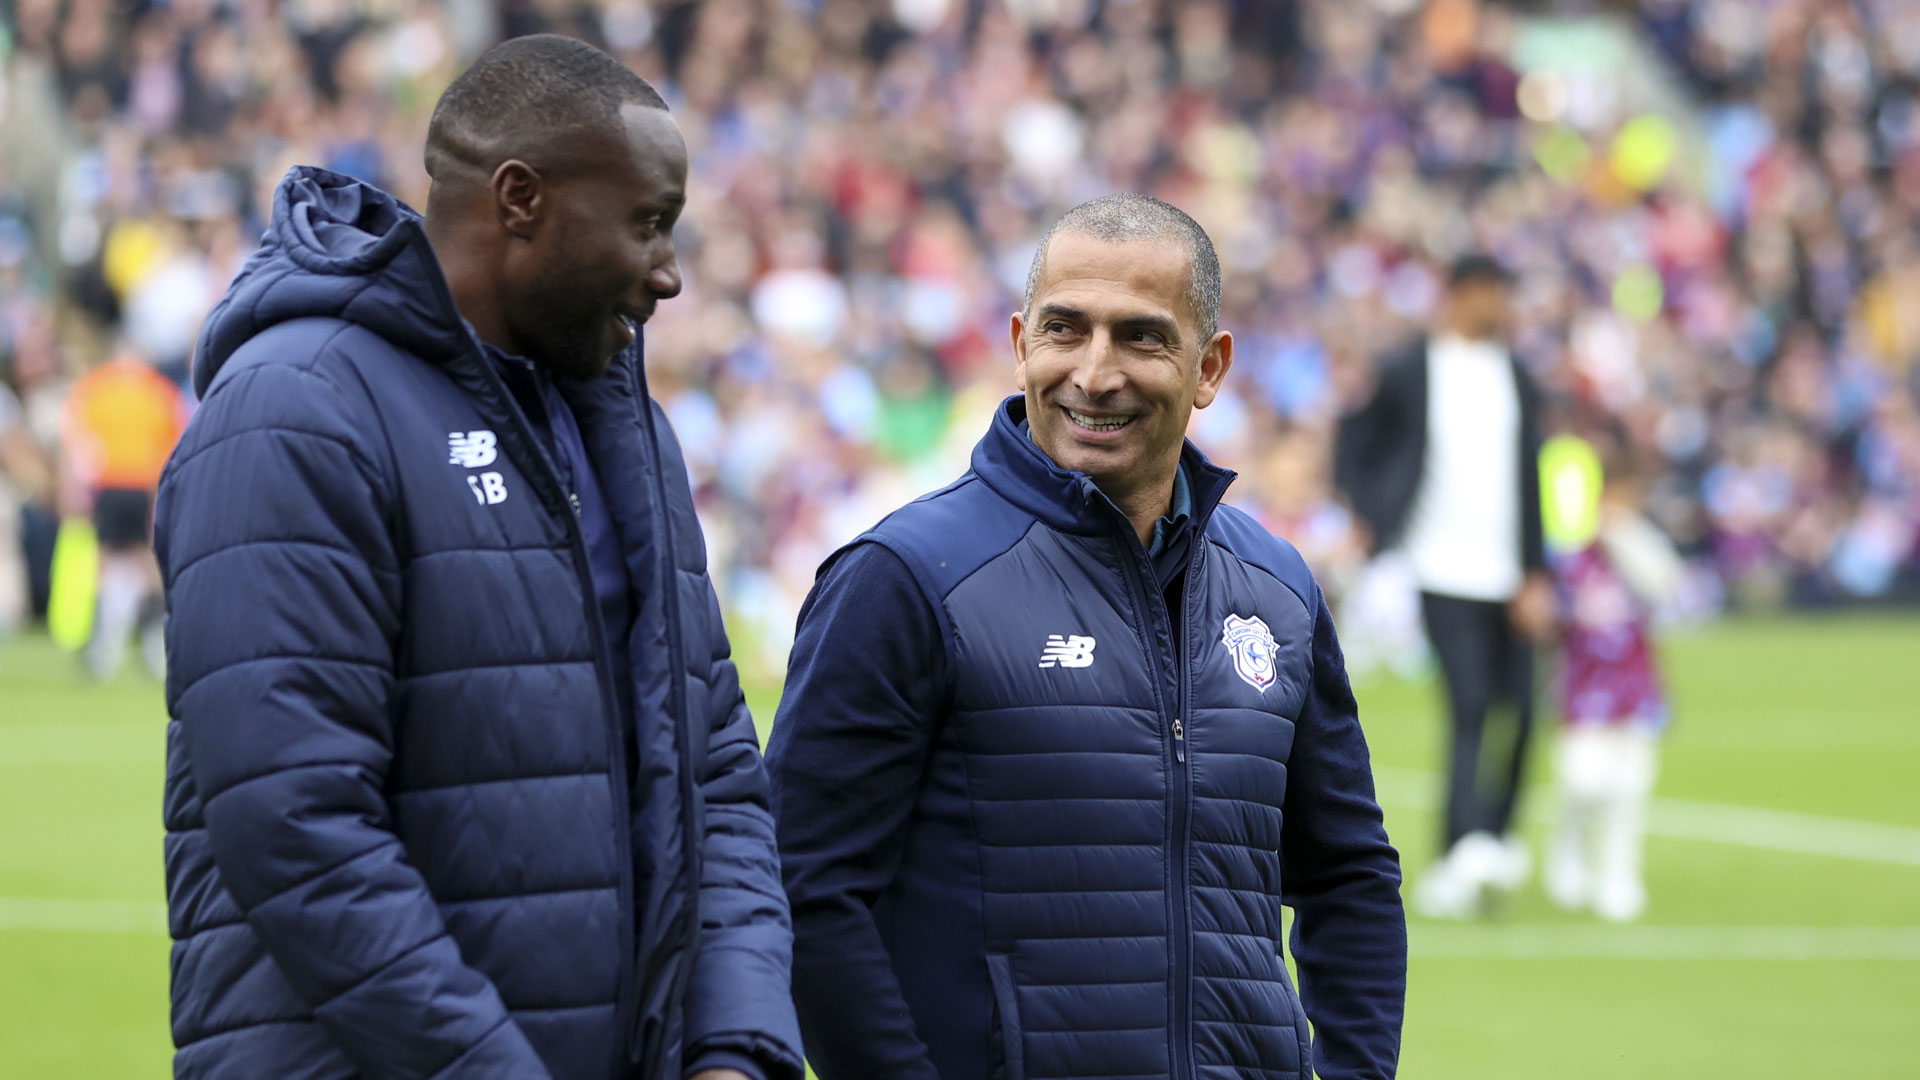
column 1168, row 528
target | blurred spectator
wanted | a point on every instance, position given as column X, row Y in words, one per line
column 21, row 472
column 1443, row 464
column 1712, row 244
column 123, row 419
column 1612, row 572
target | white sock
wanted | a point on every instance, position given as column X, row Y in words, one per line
column 1621, row 892
column 122, row 587
column 1583, row 763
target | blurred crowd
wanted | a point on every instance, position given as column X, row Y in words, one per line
column 1715, row 238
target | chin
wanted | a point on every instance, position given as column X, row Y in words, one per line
column 605, row 363
column 1096, row 463
column 584, row 365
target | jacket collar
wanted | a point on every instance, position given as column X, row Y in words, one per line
column 1007, row 461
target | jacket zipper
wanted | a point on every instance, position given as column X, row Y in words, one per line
column 547, row 476
column 1183, row 872
column 1185, row 648
column 683, row 740
column 1181, row 825
column 1180, row 927
column 1183, row 786
column 627, row 990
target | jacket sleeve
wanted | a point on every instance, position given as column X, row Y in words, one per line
column 1353, row 454
column 1342, row 879
column 1533, row 535
column 852, row 741
column 739, row 1001
column 284, row 605
column 1377, row 455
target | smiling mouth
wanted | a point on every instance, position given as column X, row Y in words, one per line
column 626, row 331
column 1099, row 424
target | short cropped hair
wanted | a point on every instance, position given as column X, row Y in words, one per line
column 1131, row 216
column 535, row 98
column 1475, row 268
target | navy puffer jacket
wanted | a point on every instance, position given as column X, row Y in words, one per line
column 402, row 838
column 1038, row 822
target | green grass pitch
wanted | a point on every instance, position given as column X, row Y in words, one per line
column 1763, row 954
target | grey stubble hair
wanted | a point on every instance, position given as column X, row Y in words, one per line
column 1132, row 216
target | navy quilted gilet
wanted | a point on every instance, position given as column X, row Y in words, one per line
column 1117, row 799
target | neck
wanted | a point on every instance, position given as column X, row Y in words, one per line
column 475, row 292
column 1145, row 504
column 1466, row 331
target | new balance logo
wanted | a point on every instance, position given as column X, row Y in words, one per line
column 471, row 449
column 1071, row 650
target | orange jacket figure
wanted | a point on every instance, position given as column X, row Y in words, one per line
column 123, row 419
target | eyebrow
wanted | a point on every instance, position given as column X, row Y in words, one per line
column 1159, row 324
column 665, row 204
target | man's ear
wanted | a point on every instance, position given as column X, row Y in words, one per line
column 1216, row 359
column 1017, row 330
column 520, row 197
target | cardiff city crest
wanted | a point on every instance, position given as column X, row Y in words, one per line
column 1253, row 648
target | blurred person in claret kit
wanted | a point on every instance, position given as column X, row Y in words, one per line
column 461, row 782
column 1062, row 739
column 1613, row 569
column 1442, row 464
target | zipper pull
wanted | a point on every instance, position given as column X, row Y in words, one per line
column 1179, row 740
column 573, row 500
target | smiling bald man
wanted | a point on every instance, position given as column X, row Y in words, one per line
column 1061, row 740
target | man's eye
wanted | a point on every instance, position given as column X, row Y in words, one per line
column 1146, row 337
column 1057, row 327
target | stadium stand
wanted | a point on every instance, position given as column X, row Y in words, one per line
column 1717, row 251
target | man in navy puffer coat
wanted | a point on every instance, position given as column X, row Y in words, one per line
column 460, row 780
column 1060, row 741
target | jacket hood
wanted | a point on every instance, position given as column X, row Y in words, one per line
column 1009, row 462
column 342, row 249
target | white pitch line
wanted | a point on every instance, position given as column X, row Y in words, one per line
column 1718, row 823
column 1590, row 942
column 83, row 916
column 1780, row 830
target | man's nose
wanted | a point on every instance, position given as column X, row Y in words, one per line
column 664, row 279
column 1099, row 372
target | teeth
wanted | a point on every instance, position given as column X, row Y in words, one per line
column 1086, row 421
